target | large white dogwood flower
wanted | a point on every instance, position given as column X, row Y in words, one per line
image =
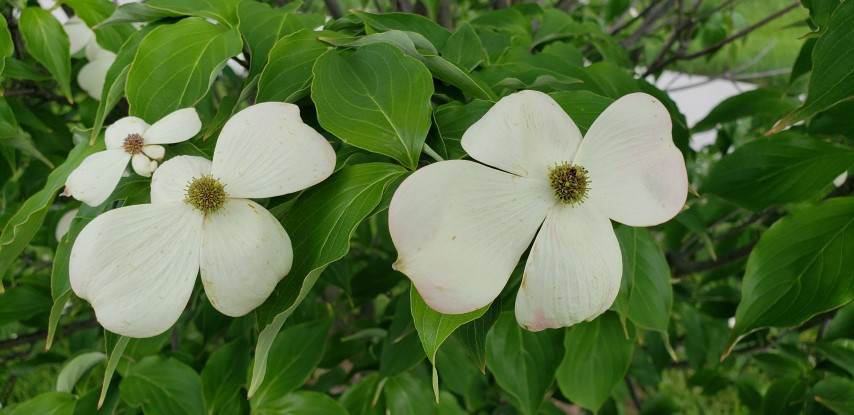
column 137, row 265
column 461, row 227
column 92, row 75
column 129, row 139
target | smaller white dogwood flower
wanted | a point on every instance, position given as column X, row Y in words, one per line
column 129, row 139
column 137, row 265
column 461, row 227
column 92, row 75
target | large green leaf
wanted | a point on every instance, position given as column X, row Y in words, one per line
column 832, row 80
column 434, row 327
column 287, row 76
column 6, row 45
column 464, row 48
column 452, row 121
column 223, row 11
column 21, row 303
column 801, row 266
column 437, row 35
column 50, row 403
column 176, row 64
column 48, row 44
column 375, row 98
column 224, row 374
column 263, row 26
column 781, row 169
column 304, row 403
column 645, row 294
column 836, row 393
column 406, row 394
column 597, row 358
column 582, row 106
column 473, row 334
column 75, row 368
column 320, row 225
column 762, row 103
column 523, row 362
column 293, row 357
column 163, row 386
column 22, row 227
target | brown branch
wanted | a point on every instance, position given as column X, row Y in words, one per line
column 657, row 66
column 41, row 335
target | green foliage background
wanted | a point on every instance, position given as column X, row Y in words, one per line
column 740, row 304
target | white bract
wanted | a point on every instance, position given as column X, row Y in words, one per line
column 137, row 265
column 92, row 75
column 129, row 139
column 461, row 227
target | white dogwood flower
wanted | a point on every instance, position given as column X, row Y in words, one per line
column 137, row 265
column 92, row 75
column 461, row 227
column 129, row 139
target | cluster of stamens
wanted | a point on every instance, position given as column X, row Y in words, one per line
column 206, row 194
column 133, row 144
column 569, row 182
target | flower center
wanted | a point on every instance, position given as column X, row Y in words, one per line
column 133, row 144
column 206, row 194
column 569, row 182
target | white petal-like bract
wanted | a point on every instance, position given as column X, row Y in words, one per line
column 266, row 150
column 573, row 271
column 143, row 165
column 178, row 126
column 116, row 133
column 524, row 133
column 245, row 252
column 637, row 175
column 169, row 183
column 460, row 228
column 137, row 266
column 92, row 75
column 96, row 177
column 79, row 34
column 154, row 151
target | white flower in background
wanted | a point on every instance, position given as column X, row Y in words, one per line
column 461, row 227
column 137, row 265
column 92, row 75
column 129, row 139
column 64, row 224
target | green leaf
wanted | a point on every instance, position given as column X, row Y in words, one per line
column 223, row 11
column 176, row 64
column 645, row 294
column 163, row 386
column 293, row 357
column 557, row 24
column 453, row 119
column 94, row 12
column 799, row 268
column 840, row 353
column 836, row 393
column 375, row 98
column 115, row 351
column 23, row 225
column 136, row 13
column 75, row 368
column 783, row 169
column 304, row 403
column 582, row 106
column 115, row 80
column 406, row 394
column 263, row 26
column 48, row 44
column 765, row 104
column 224, row 375
column 523, row 362
column 784, row 396
column 832, row 80
column 320, row 226
column 21, row 303
column 287, row 76
column 464, row 48
column 401, row 348
column 358, row 398
column 6, row 45
column 597, row 358
column 437, row 35
column 50, row 403
column 842, row 324
column 472, row 335
column 434, row 328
